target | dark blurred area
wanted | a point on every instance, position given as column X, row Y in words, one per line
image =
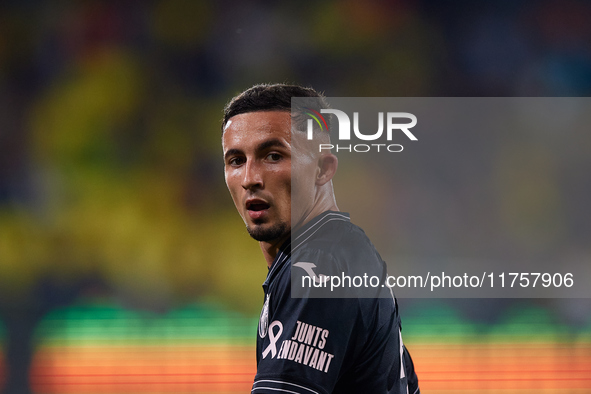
column 111, row 178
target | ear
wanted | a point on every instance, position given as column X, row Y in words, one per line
column 327, row 168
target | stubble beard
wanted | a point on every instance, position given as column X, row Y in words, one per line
column 272, row 233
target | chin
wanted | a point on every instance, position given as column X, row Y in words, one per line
column 269, row 232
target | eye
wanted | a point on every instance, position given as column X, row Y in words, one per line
column 236, row 161
column 274, row 156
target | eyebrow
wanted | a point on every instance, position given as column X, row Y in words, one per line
column 270, row 144
column 261, row 147
column 232, row 152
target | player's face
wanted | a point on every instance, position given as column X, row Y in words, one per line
column 257, row 157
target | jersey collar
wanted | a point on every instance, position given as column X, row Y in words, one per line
column 299, row 237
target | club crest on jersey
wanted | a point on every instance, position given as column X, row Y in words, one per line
column 264, row 319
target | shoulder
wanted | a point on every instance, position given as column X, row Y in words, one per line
column 337, row 242
column 334, row 258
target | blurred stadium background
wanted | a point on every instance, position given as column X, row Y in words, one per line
column 123, row 265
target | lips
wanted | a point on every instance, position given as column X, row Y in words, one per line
column 257, row 208
column 257, row 205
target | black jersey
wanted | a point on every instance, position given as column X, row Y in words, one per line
column 314, row 345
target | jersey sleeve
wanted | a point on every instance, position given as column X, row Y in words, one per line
column 411, row 376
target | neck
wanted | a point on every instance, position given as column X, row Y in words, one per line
column 324, row 202
column 270, row 249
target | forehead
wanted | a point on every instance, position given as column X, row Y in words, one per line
column 254, row 126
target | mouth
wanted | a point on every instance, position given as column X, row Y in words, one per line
column 257, row 208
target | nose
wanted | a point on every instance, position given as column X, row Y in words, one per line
column 253, row 177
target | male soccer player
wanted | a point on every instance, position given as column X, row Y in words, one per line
column 282, row 188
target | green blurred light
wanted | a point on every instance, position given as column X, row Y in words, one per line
column 107, row 323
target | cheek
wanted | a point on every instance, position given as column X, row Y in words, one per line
column 302, row 194
column 233, row 186
column 286, row 181
column 304, row 180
